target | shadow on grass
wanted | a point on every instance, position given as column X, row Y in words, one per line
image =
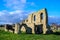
column 56, row 33
column 49, row 32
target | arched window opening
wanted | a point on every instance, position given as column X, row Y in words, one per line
column 26, row 20
column 41, row 15
column 34, row 17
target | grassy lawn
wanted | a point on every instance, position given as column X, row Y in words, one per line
column 10, row 36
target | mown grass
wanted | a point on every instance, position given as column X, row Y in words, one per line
column 10, row 36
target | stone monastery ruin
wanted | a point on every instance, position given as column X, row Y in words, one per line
column 35, row 23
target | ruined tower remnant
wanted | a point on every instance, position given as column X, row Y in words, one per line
column 5, row 27
column 17, row 28
column 37, row 22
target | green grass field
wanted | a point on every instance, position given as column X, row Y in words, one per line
column 10, row 36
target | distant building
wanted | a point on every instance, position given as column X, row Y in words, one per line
column 55, row 27
column 58, row 27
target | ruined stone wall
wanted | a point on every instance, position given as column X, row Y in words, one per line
column 35, row 19
column 38, row 20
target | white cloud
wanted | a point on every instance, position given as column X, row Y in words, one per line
column 56, row 17
column 16, row 12
column 32, row 3
column 23, row 1
column 1, row 13
column 52, row 16
column 13, row 16
column 18, row 4
column 21, row 18
column 15, row 4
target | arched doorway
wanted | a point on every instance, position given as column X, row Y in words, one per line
column 38, row 29
column 25, row 29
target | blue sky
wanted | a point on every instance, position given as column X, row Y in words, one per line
column 13, row 11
